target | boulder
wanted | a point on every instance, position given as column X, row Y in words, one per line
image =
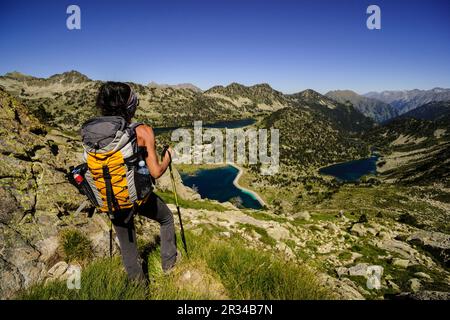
column 341, row 271
column 58, row 269
column 332, row 227
column 414, row 284
column 342, row 289
column 436, row 243
column 423, row 275
column 402, row 263
column 358, row 270
column 199, row 280
column 303, row 215
column 358, row 229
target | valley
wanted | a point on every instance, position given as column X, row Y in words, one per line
column 397, row 218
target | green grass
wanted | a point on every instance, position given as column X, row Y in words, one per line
column 264, row 236
column 193, row 204
column 103, row 279
column 260, row 215
column 75, row 245
column 228, row 270
column 250, row 274
column 193, row 168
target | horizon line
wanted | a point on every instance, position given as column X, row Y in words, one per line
column 222, row 85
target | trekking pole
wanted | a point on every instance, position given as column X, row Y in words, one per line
column 110, row 240
column 183, row 238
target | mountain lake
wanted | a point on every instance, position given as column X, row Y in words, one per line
column 217, row 184
column 352, row 171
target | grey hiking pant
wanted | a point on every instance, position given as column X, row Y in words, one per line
column 154, row 208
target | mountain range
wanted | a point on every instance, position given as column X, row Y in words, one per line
column 406, row 100
column 433, row 111
column 372, row 108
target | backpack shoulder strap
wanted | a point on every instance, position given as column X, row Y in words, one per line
column 134, row 125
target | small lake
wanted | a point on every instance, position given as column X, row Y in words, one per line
column 230, row 124
column 352, row 170
column 217, row 184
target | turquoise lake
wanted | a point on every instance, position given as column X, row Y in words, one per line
column 217, row 184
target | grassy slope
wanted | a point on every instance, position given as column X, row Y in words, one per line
column 228, row 270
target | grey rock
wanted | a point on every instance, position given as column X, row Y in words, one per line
column 303, row 215
column 358, row 229
column 402, row 263
column 414, row 284
column 358, row 270
column 437, row 243
column 332, row 227
column 391, row 284
column 58, row 269
column 423, row 275
column 341, row 271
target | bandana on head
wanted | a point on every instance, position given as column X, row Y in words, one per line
column 132, row 103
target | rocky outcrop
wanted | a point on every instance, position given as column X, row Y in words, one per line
column 437, row 243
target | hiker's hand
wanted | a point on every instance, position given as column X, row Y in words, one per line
column 169, row 151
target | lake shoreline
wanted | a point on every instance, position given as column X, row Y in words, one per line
column 255, row 195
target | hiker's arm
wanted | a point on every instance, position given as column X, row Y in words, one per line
column 146, row 138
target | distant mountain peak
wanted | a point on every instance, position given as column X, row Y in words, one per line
column 346, row 93
column 71, row 76
column 310, row 94
column 235, row 87
column 190, row 86
column 17, row 75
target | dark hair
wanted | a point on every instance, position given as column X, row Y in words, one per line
column 113, row 99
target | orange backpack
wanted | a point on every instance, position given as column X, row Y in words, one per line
column 114, row 175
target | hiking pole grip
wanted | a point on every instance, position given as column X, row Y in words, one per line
column 163, row 153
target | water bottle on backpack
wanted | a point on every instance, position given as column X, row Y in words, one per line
column 143, row 168
column 144, row 179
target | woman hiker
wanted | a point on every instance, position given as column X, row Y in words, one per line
column 118, row 99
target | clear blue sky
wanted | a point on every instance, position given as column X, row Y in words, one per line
column 292, row 45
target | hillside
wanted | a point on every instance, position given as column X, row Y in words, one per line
column 433, row 111
column 414, row 151
column 406, row 100
column 343, row 115
column 372, row 108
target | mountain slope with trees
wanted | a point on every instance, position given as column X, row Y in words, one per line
column 372, row 108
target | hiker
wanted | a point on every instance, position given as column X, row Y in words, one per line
column 112, row 174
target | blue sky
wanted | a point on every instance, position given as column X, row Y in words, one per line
column 292, row 45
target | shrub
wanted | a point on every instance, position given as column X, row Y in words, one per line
column 75, row 246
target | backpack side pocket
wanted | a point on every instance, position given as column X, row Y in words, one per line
column 77, row 177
